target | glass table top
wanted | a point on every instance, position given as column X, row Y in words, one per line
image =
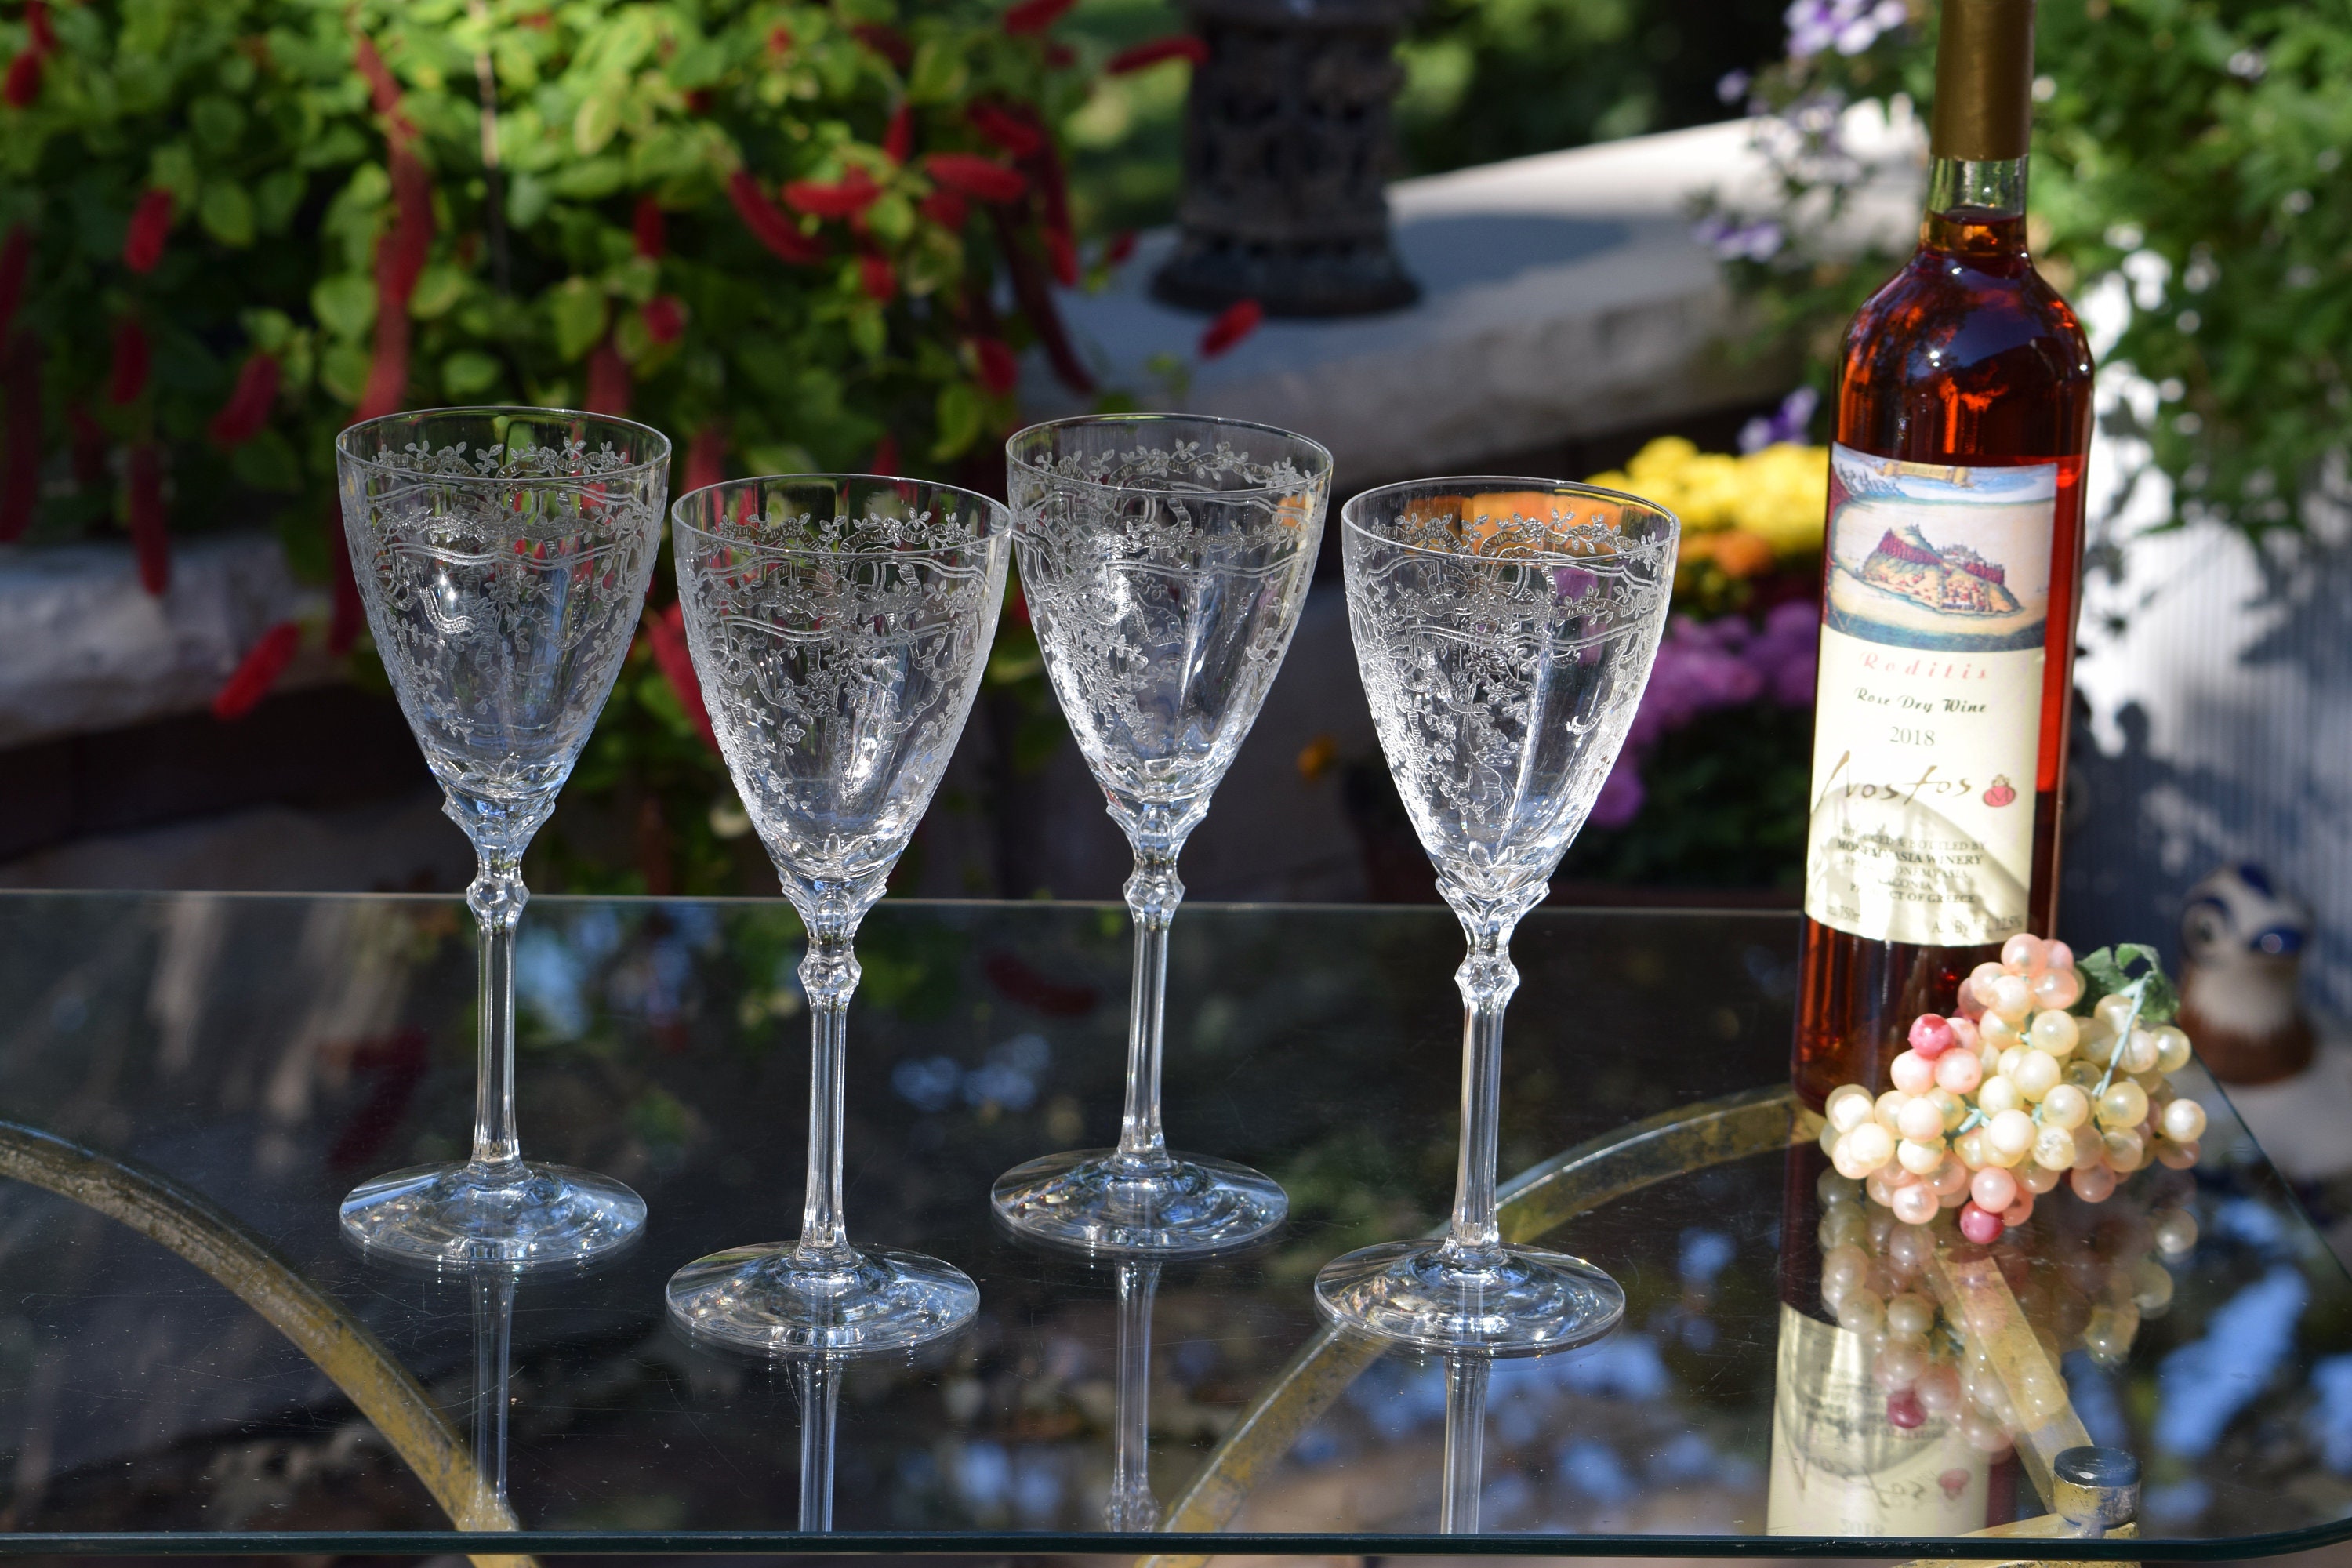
column 187, row 1350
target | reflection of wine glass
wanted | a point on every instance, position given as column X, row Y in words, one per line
column 816, row 1379
column 494, row 1298
column 503, row 555
column 1504, row 629
column 1165, row 561
column 839, row 627
column 1131, row 1505
column 1465, row 1443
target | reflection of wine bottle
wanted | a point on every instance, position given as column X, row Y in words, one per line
column 1949, row 589
column 1840, row 1465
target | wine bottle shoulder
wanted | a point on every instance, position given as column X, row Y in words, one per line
column 1966, row 357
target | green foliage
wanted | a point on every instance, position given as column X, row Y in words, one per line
column 2191, row 150
column 2130, row 969
column 256, row 116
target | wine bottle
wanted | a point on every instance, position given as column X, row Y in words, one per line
column 1949, row 589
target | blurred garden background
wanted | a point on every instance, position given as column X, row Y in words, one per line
column 877, row 236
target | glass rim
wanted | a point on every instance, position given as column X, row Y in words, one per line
column 1350, row 519
column 343, row 450
column 999, row 515
column 1072, row 421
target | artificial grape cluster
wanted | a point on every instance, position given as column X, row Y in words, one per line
column 1997, row 1104
column 2090, row 1288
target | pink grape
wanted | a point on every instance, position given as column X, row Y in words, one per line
column 1980, row 1226
column 1912, row 1073
column 1965, row 1034
column 1994, row 1189
column 2022, row 954
column 1905, row 1410
column 1931, row 1036
column 2093, row 1184
column 1914, row 1204
column 2020, row 1211
column 1960, row 1071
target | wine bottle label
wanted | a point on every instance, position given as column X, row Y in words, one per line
column 1928, row 731
column 1841, row 1467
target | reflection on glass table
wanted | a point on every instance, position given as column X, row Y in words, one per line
column 256, row 1055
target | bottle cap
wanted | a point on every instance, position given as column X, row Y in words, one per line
column 1984, row 81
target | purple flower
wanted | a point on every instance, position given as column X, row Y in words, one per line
column 1733, row 85
column 1787, row 423
column 1620, row 800
column 1848, row 26
column 1789, row 650
column 1735, row 239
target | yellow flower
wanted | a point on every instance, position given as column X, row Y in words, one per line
column 1777, row 495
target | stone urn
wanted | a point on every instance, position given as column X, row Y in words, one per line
column 1288, row 151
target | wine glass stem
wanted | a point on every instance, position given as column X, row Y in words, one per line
column 496, row 897
column 1152, row 894
column 829, row 974
column 1487, row 979
column 1465, row 1441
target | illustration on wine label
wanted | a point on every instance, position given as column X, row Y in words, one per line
column 1933, row 637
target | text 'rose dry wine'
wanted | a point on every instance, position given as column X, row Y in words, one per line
column 1948, row 596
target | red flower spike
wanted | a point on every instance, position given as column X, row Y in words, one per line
column 151, row 224
column 400, row 254
column 706, row 457
column 983, row 179
column 43, row 37
column 664, row 319
column 899, row 136
column 15, row 264
column 1016, row 134
column 350, row 614
column 649, row 229
column 241, row 418
column 698, row 100
column 1062, row 254
column 888, row 42
column 20, row 450
column 22, row 88
column 1060, row 56
column 608, row 380
column 1033, row 16
column 1121, row 247
column 945, row 208
column 884, row 464
column 1238, row 321
column 1000, row 369
column 780, row 41
column 128, row 377
column 258, row 671
column 769, row 223
column 387, row 382
column 666, row 632
column 852, row 194
column 384, row 87
column 876, row 277
column 1143, row 56
column 148, row 537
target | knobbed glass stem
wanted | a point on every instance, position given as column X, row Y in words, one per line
column 829, row 974
column 1153, row 891
column 1487, row 979
column 496, row 897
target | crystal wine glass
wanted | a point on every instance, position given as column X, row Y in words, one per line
column 1165, row 560
column 1504, row 629
column 503, row 555
column 840, row 626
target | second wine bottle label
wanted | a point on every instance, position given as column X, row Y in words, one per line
column 1927, row 730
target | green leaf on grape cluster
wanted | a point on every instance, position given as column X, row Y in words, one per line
column 2123, row 968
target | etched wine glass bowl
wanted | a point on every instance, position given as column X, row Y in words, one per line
column 839, row 627
column 502, row 554
column 1164, row 560
column 1505, row 630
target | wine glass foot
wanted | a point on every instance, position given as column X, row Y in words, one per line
column 763, row 1299
column 525, row 1215
column 1091, row 1200
column 1526, row 1302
